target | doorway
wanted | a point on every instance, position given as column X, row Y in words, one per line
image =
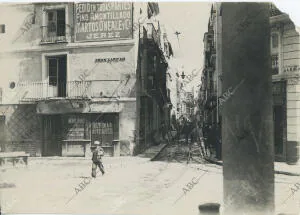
column 52, row 135
column 278, row 129
column 57, row 72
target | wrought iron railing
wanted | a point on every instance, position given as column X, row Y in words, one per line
column 152, row 34
column 71, row 89
column 55, row 33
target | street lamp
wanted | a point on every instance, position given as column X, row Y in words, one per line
column 182, row 75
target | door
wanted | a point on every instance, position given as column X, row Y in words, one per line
column 278, row 129
column 52, row 141
column 62, row 76
column 57, row 71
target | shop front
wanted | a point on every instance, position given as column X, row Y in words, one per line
column 73, row 134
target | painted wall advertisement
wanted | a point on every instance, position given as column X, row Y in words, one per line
column 102, row 21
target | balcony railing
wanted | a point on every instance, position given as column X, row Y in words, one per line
column 56, row 33
column 152, row 34
column 71, row 89
column 274, row 11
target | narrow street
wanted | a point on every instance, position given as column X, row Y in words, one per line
column 131, row 185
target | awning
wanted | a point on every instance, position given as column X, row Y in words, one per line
column 61, row 106
column 107, row 107
column 78, row 106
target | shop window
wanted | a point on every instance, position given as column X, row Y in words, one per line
column 274, row 59
column 78, row 127
column 105, row 129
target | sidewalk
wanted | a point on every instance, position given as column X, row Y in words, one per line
column 280, row 167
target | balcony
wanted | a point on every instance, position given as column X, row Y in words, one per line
column 35, row 91
column 56, row 34
column 152, row 34
column 274, row 11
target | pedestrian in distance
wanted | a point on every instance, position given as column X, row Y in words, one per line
column 186, row 130
column 98, row 153
column 163, row 130
column 207, row 139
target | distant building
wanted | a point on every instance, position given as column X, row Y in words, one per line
column 70, row 75
column 210, row 88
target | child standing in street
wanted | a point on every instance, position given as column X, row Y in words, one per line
column 97, row 159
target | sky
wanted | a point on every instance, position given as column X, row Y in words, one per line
column 190, row 19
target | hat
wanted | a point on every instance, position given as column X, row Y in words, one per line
column 97, row 142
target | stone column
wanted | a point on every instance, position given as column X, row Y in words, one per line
column 247, row 125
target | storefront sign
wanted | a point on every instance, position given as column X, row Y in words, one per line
column 109, row 60
column 107, row 107
column 103, row 21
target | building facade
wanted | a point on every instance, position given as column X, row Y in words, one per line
column 70, row 73
column 154, row 105
column 209, row 91
column 285, row 56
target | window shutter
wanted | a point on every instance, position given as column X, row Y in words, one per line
column 2, row 29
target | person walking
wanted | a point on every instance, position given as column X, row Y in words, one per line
column 186, row 130
column 163, row 129
column 206, row 131
column 98, row 153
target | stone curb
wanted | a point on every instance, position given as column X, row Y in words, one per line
column 155, row 156
column 276, row 171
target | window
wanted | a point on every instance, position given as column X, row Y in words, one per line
column 78, row 127
column 56, row 22
column 53, row 71
column 2, row 29
column 105, row 128
column 55, row 26
column 275, row 40
column 274, row 59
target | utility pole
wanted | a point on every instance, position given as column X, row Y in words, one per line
column 247, row 125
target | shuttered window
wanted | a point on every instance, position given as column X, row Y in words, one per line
column 2, row 29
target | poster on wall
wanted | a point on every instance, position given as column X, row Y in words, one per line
column 102, row 21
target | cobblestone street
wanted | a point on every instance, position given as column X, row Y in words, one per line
column 131, row 185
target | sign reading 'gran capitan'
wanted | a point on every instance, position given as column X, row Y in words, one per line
column 103, row 21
